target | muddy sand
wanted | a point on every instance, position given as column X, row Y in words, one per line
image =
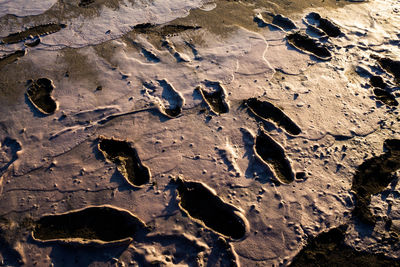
column 199, row 133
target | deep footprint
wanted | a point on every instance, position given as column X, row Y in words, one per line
column 386, row 97
column 215, row 99
column 390, row 66
column 283, row 23
column 173, row 97
column 32, row 32
column 372, row 177
column 273, row 155
column 100, row 224
column 201, row 203
column 11, row 58
column 308, row 45
column 128, row 162
column 330, row 28
column 377, row 81
column 39, row 93
column 269, row 112
column 329, row 249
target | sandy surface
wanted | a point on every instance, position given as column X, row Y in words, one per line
column 170, row 83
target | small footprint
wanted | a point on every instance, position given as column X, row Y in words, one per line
column 39, row 93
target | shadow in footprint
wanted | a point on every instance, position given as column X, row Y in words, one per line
column 9, row 148
column 273, row 155
column 173, row 97
column 308, row 45
column 390, row 66
column 32, row 32
column 330, row 249
column 386, row 97
column 267, row 111
column 327, row 26
column 39, row 93
column 8, row 59
column 98, row 225
column 372, row 176
column 215, row 98
column 202, row 204
column 128, row 162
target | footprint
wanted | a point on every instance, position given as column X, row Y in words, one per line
column 128, row 162
column 389, row 65
column 97, row 225
column 85, row 3
column 330, row 249
column 39, row 93
column 273, row 155
column 308, row 45
column 8, row 59
column 202, row 204
column 215, row 99
column 32, row 32
column 281, row 22
column 173, row 97
column 180, row 57
column 268, row 112
column 8, row 153
column 327, row 26
column 377, row 81
column 373, row 176
column 386, row 97
column 163, row 30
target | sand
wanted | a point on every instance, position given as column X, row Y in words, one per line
column 226, row 133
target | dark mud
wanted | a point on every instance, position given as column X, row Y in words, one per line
column 386, row 97
column 389, row 65
column 269, row 112
column 372, row 177
column 32, row 32
column 39, row 93
column 327, row 26
column 102, row 223
column 8, row 59
column 199, row 202
column 308, row 45
column 329, row 249
column 215, row 99
column 85, row 3
column 273, row 154
column 125, row 156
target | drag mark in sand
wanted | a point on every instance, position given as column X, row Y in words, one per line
column 36, row 31
column 98, row 225
column 128, row 162
column 202, row 204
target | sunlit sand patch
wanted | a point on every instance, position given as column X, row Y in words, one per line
column 97, row 225
column 128, row 162
column 309, row 45
column 8, row 59
column 372, row 176
column 32, row 32
column 202, row 204
column 39, row 93
column 273, row 155
column 215, row 99
column 329, row 249
column 267, row 111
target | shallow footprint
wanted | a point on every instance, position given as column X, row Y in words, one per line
column 267, row 111
column 215, row 99
column 93, row 225
column 273, row 155
column 202, row 204
column 32, row 32
column 173, row 97
column 308, row 45
column 39, row 93
column 11, row 58
column 373, row 176
column 330, row 249
column 128, row 162
column 330, row 28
